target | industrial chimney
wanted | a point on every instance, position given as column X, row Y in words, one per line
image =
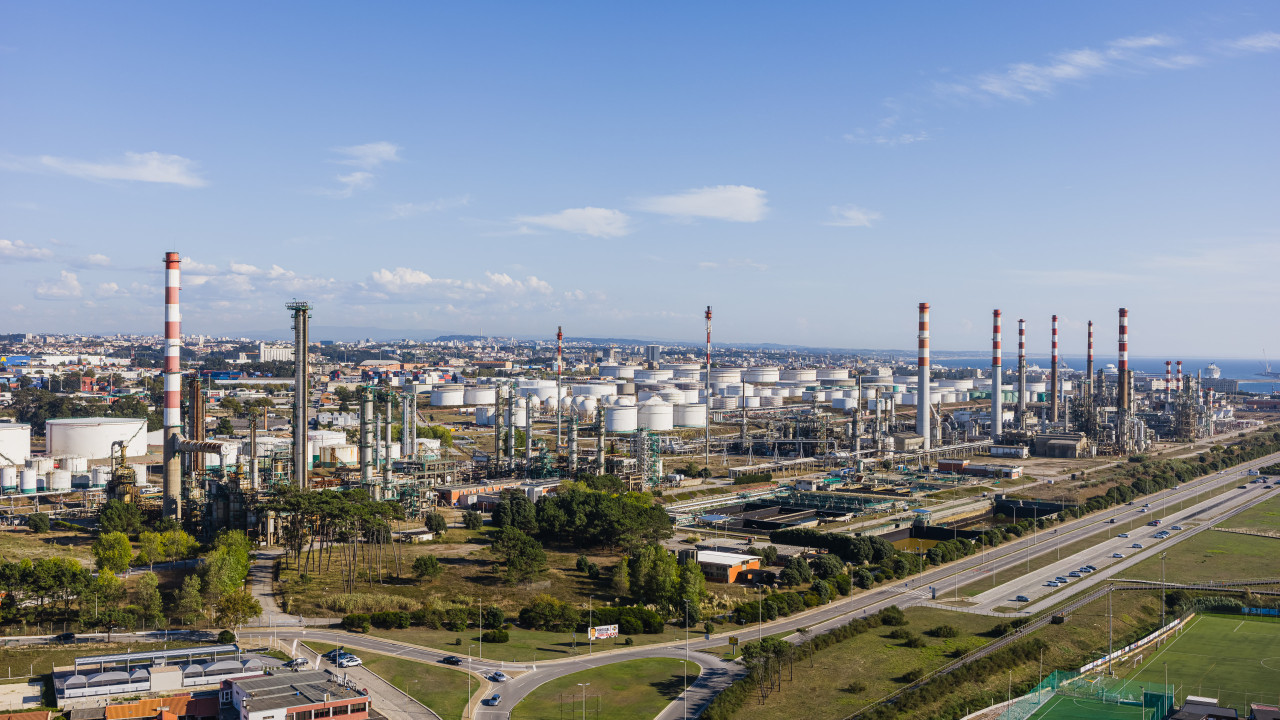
column 1053, row 374
column 922, row 392
column 1122, row 365
column 172, row 388
column 997, row 412
column 1022, row 373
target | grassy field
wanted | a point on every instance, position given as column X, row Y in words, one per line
column 438, row 687
column 20, row 543
column 872, row 659
column 525, row 645
column 632, row 690
column 1212, row 555
column 1065, row 708
column 1264, row 516
column 1235, row 660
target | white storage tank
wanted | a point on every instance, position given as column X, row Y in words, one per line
column 15, row 442
column 73, row 463
column 40, row 464
column 585, row 407
column 726, row 375
column 92, row 437
column 620, row 418
column 8, row 479
column 833, row 374
column 325, row 438
column 690, row 415
column 762, row 374
column 447, row 395
column 58, row 481
column 799, row 375
column 484, row 415
column 28, row 480
column 688, row 374
column 751, row 401
column 773, row 401
column 656, row 415
column 99, row 476
column 653, row 375
column 478, row 395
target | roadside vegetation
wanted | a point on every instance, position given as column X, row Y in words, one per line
column 630, row 690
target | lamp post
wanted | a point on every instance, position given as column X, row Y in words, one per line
column 1164, row 590
column 584, row 699
column 685, row 665
column 469, row 671
column 590, row 633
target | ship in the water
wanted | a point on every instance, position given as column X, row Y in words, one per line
column 1267, row 372
column 1213, row 371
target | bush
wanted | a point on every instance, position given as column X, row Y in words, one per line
column 855, row 687
column 471, row 520
column 357, row 622
column 945, row 631
column 226, row 637
column 367, row 602
column 899, row 634
column 38, row 522
column 395, row 619
column 893, row 615
column 497, row 635
column 753, row 478
column 911, row 676
column 914, row 641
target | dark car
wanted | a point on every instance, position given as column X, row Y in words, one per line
column 65, row 638
column 334, row 654
column 451, row 660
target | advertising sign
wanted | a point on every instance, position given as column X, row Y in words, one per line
column 601, row 632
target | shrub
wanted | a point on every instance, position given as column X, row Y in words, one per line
column 357, row 622
column 945, row 631
column 38, row 522
column 497, row 635
column 855, row 687
column 899, row 634
column 893, row 615
column 914, row 641
column 395, row 619
column 226, row 637
column 367, row 602
column 911, row 676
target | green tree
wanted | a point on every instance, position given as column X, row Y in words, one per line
column 472, row 520
column 189, row 603
column 112, row 552
column 150, row 548
column 796, row 572
column 521, row 556
column 232, row 405
column 116, row 516
column 435, row 522
column 655, row 576
column 826, row 566
column 176, row 544
column 148, row 597
column 692, row 587
column 224, row 427
column 426, row 566
column 38, row 522
column 621, row 581
column 237, row 608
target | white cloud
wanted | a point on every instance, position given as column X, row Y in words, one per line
column 19, row 250
column 350, row 183
column 243, row 269
column 67, row 286
column 197, row 267
column 109, row 289
column 1261, row 42
column 737, row 203
column 852, row 216
column 404, row 210
column 369, row 155
column 593, row 221
column 98, row 259
column 143, row 167
column 403, row 279
column 1025, row 81
column 865, row 138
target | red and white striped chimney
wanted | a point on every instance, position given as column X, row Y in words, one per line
column 1168, row 379
column 1088, row 363
column 1179, row 380
column 997, row 412
column 1022, row 371
column 172, row 387
column 1122, row 367
column 923, row 393
column 1053, row 373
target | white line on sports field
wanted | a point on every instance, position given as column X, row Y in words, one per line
column 1239, row 626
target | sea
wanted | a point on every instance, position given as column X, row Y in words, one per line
column 1246, row 371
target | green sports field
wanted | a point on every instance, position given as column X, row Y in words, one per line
column 1236, row 660
column 1066, row 708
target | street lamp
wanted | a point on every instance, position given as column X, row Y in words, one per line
column 469, row 671
column 584, row 699
column 684, row 665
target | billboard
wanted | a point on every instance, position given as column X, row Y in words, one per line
column 601, row 632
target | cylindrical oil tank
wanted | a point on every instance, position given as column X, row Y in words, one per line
column 624, row 388
column 92, row 437
column 8, row 479
column 762, row 374
column 672, row 396
column 623, row 400
column 484, row 415
column 653, row 375
column 519, row 414
column 751, row 401
column 687, row 374
column 690, row 415
column 479, row 395
column 73, row 463
column 798, row 375
column 833, row 374
column 58, row 481
column 620, row 418
column 774, row 401
column 447, row 395
column 40, row 464
column 680, row 366
column 15, row 442
column 655, row 415
column 80, row 481
column 594, row 389
column 28, row 480
column 325, row 438
column 726, row 375
column 99, row 476
column 340, row 454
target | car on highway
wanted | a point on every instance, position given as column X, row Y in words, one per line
column 1061, row 579
column 1052, row 583
column 1092, row 568
column 1136, row 546
column 64, row 638
column 350, row 661
column 1085, row 569
column 499, row 676
column 1123, row 535
column 493, row 700
column 451, row 660
column 1022, row 598
column 1176, row 527
column 1117, row 555
column 1142, row 509
column 1074, row 574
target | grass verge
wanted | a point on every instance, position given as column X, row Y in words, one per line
column 631, row 690
column 438, row 687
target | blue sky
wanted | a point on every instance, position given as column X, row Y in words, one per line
column 810, row 170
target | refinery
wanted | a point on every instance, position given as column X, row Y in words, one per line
column 647, row 414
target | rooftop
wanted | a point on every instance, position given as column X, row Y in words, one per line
column 716, row 557
column 293, row 689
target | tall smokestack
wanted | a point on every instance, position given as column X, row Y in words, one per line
column 706, row 462
column 1022, row 372
column 559, row 366
column 301, row 393
column 1178, row 382
column 1053, row 373
column 1088, row 363
column 1122, row 366
column 922, row 392
column 1168, row 380
column 997, row 412
column 172, row 388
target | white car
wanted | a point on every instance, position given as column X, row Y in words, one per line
column 1136, row 546
column 1123, row 535
column 499, row 676
column 347, row 662
column 1117, row 555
